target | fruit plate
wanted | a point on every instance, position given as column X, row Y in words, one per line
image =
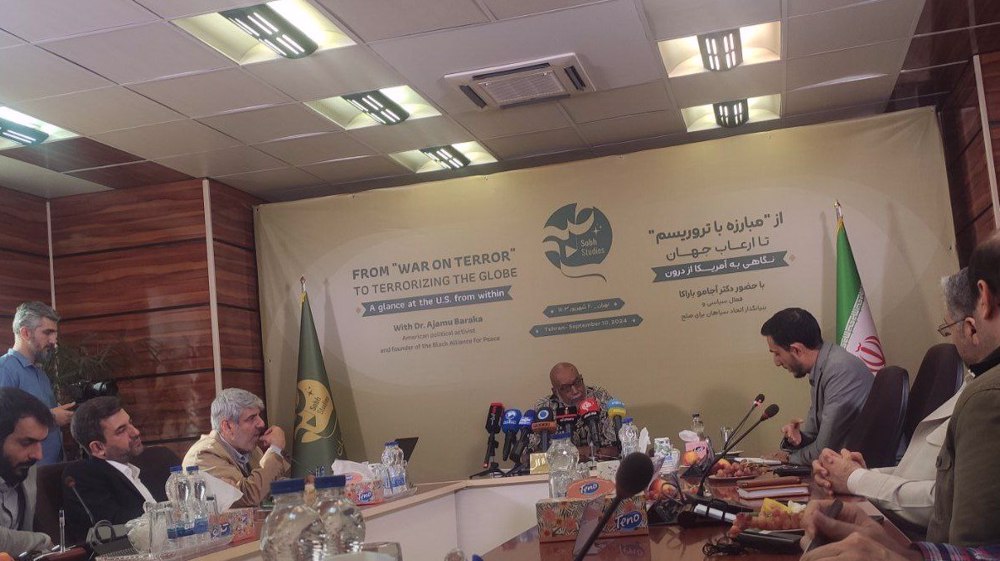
column 733, row 478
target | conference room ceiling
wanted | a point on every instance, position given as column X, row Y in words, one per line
column 151, row 103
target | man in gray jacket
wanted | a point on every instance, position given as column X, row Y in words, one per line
column 839, row 384
column 24, row 424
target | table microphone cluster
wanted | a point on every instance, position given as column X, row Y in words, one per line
column 516, row 428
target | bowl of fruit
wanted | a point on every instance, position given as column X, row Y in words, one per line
column 725, row 470
column 773, row 516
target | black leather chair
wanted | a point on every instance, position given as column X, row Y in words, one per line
column 940, row 376
column 49, row 499
column 879, row 426
column 155, row 463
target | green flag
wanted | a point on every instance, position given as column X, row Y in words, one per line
column 855, row 326
column 317, row 431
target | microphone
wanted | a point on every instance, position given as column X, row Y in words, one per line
column 71, row 483
column 524, row 425
column 511, row 418
column 616, row 412
column 757, row 401
column 493, row 428
column 771, row 411
column 543, row 426
column 634, row 475
column 590, row 410
column 566, row 418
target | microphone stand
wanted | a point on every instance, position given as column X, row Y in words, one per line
column 489, row 462
column 744, row 420
column 732, row 443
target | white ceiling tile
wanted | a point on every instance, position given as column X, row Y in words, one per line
column 41, row 182
column 841, row 95
column 803, row 7
column 172, row 9
column 632, row 127
column 139, row 54
column 609, row 38
column 28, row 72
column 262, row 182
column 683, row 18
column 167, row 139
column 8, row 40
column 852, row 112
column 222, row 162
column 618, row 103
column 861, row 24
column 515, row 120
column 316, row 148
column 271, row 123
column 327, row 73
column 356, row 169
column 412, row 134
column 883, row 58
column 546, row 142
column 396, row 18
column 53, row 19
column 211, row 93
column 504, row 9
column 97, row 111
column 738, row 83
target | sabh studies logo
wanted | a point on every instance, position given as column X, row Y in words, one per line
column 577, row 240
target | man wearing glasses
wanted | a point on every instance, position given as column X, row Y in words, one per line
column 568, row 389
column 906, row 492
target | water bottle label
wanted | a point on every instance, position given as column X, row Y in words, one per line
column 397, row 481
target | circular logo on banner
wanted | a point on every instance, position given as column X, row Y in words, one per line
column 314, row 407
column 576, row 240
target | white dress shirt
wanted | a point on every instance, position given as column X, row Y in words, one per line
column 131, row 473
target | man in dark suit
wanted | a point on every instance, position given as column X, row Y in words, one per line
column 112, row 488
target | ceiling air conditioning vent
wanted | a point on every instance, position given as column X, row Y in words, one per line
column 524, row 82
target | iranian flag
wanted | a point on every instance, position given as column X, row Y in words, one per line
column 855, row 327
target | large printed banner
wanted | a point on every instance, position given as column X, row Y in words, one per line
column 652, row 272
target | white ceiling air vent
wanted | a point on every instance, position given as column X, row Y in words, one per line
column 524, row 82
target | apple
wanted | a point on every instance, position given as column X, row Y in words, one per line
column 689, row 458
column 722, row 465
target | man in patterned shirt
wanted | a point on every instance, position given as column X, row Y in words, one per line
column 568, row 389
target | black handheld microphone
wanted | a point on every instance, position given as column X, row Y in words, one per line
column 757, row 401
column 511, row 418
column 493, row 428
column 634, row 475
column 543, row 426
column 524, row 426
column 771, row 411
column 566, row 418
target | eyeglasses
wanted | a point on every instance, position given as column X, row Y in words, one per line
column 578, row 383
column 945, row 328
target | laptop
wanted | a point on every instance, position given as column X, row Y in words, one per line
column 407, row 445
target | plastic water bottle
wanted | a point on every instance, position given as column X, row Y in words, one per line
column 562, row 458
column 176, row 472
column 279, row 538
column 629, row 437
column 198, row 504
column 217, row 527
column 178, row 489
column 697, row 426
column 392, row 459
column 342, row 520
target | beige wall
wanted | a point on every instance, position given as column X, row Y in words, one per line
column 888, row 173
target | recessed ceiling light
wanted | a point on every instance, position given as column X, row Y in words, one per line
column 378, row 106
column 265, row 25
column 447, row 156
column 21, row 134
column 721, row 50
column 731, row 114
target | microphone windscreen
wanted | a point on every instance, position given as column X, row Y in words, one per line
column 759, row 399
column 616, row 408
column 589, row 407
column 511, row 417
column 771, row 411
column 634, row 474
column 527, row 418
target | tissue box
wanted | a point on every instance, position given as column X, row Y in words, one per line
column 364, row 491
column 241, row 524
column 559, row 519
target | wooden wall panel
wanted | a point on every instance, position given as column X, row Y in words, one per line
column 23, row 277
column 236, row 276
column 136, row 279
column 128, row 218
column 239, row 337
column 969, row 181
column 179, row 446
column 166, row 407
column 960, row 118
column 232, row 215
column 967, row 239
column 181, row 338
column 252, row 382
column 23, row 223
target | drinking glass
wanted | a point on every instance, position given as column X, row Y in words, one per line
column 727, row 433
column 386, row 551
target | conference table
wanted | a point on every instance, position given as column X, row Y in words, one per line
column 497, row 516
